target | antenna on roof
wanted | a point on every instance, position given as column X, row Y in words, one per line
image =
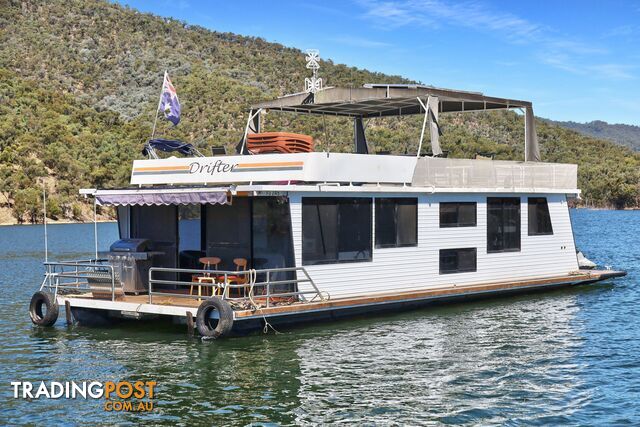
column 313, row 84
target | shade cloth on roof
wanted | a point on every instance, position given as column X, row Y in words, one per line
column 383, row 100
column 532, row 150
column 161, row 198
column 432, row 105
column 494, row 174
column 386, row 100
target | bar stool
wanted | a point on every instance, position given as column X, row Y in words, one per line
column 207, row 262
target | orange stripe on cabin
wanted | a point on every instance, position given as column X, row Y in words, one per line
column 266, row 165
column 161, row 168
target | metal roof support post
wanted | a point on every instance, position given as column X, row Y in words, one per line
column 95, row 226
column 526, row 144
column 359, row 136
column 253, row 126
column 430, row 115
column 424, row 124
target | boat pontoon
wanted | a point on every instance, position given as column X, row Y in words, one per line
column 236, row 242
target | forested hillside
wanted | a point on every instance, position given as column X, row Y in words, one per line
column 79, row 82
column 627, row 135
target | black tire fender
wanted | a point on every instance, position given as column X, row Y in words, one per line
column 43, row 299
column 204, row 323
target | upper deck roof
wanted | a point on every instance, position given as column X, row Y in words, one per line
column 380, row 100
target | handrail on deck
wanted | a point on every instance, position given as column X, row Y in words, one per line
column 250, row 283
column 75, row 277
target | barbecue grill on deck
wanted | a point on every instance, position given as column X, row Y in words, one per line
column 131, row 260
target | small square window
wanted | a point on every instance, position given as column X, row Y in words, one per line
column 462, row 260
column 539, row 218
column 396, row 222
column 458, row 214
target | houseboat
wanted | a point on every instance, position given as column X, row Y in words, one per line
column 280, row 233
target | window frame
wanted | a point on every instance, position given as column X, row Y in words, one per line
column 457, row 224
column 378, row 201
column 337, row 201
column 459, row 251
column 547, row 213
column 519, row 224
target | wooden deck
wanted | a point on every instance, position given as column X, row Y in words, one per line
column 173, row 305
column 449, row 291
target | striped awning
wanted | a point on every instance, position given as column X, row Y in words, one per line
column 159, row 197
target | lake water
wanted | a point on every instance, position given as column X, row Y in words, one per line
column 568, row 357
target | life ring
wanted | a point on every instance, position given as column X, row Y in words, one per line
column 208, row 325
column 41, row 317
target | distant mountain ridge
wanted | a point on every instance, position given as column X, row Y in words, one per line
column 627, row 135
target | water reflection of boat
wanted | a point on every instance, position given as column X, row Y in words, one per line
column 450, row 365
column 278, row 234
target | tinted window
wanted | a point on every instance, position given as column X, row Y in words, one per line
column 503, row 224
column 124, row 221
column 539, row 218
column 396, row 222
column 272, row 241
column 189, row 228
column 189, row 239
column 458, row 214
column 336, row 230
column 458, row 260
column 228, row 231
column 160, row 225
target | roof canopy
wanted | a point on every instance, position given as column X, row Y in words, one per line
column 379, row 100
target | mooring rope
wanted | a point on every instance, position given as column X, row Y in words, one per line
column 253, row 275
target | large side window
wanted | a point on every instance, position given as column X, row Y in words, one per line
column 503, row 224
column 458, row 260
column 189, row 228
column 228, row 232
column 336, row 230
column 458, row 214
column 539, row 218
column 189, row 237
column 396, row 222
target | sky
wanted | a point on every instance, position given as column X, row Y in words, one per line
column 575, row 60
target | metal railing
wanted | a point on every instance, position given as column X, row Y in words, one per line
column 80, row 276
column 256, row 287
column 244, row 284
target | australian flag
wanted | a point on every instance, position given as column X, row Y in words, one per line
column 169, row 102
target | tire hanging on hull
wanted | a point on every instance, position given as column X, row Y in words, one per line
column 41, row 300
column 210, row 327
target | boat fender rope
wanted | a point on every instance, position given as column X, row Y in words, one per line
column 253, row 275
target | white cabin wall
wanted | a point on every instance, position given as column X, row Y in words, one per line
column 410, row 268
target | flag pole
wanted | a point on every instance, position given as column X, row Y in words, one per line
column 155, row 120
